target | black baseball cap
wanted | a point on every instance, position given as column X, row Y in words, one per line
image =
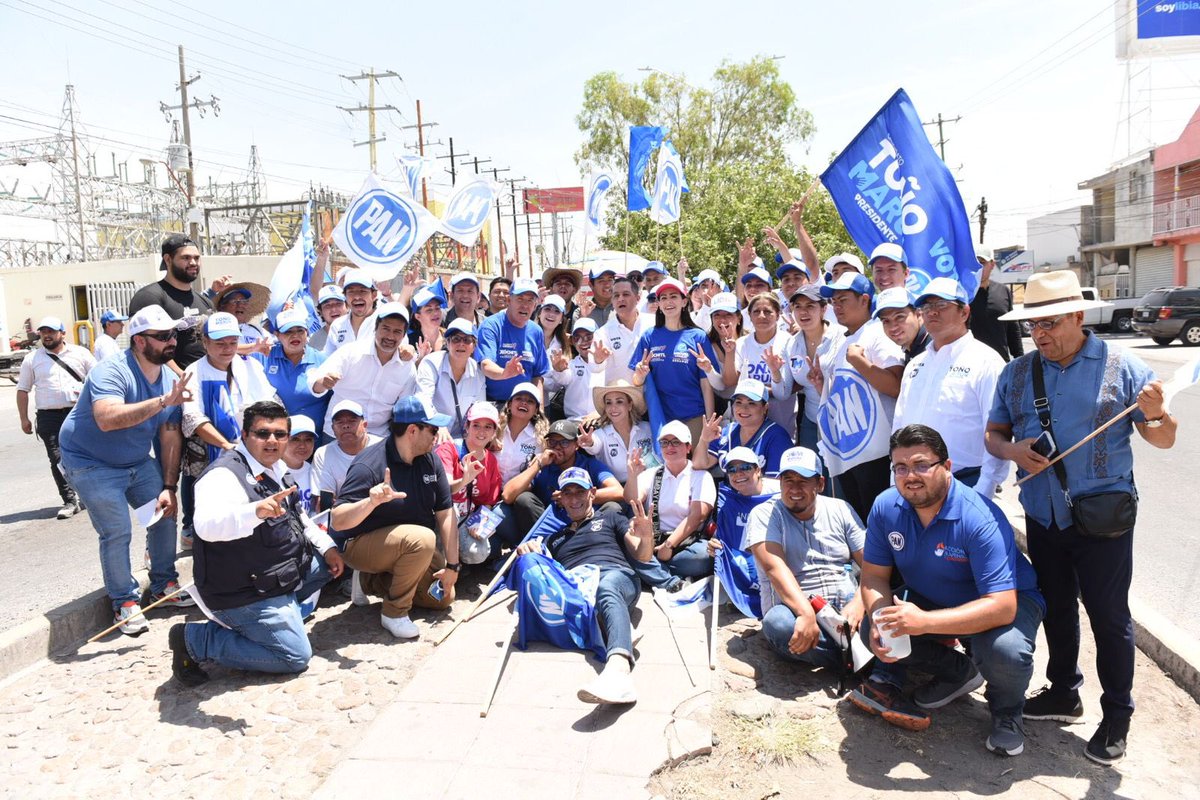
column 174, row 242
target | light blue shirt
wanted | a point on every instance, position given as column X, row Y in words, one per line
column 1099, row 383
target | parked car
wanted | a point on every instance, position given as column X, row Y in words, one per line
column 1167, row 313
column 1118, row 316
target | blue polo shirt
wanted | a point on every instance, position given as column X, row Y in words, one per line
column 676, row 376
column 546, row 482
column 967, row 551
column 499, row 340
column 770, row 442
column 291, row 382
column 1099, row 383
column 82, row 442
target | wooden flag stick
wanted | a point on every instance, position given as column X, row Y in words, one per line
column 487, row 592
column 158, row 602
column 712, row 634
column 1082, row 442
column 499, row 671
column 811, row 187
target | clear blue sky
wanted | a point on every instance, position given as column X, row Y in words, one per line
column 1036, row 83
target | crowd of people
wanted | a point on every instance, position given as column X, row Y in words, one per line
column 843, row 432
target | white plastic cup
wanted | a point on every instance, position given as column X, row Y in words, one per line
column 899, row 644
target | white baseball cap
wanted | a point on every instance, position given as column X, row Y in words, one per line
column 531, row 389
column 294, row 317
column 843, row 258
column 392, row 310
column 800, row 460
column 302, row 424
column 743, row 454
column 524, row 286
column 584, row 324
column 757, row 273
column 724, row 301
column 347, row 405
column 755, row 389
column 557, row 302
column 709, row 275
column 460, row 325
column 895, row 297
column 945, row 288
column 53, row 323
column 677, row 429
column 153, row 318
column 888, row 250
column 330, row 291
column 222, row 325
column 356, row 277
column 459, row 277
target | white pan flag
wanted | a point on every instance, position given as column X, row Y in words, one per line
column 468, row 209
column 382, row 229
column 668, row 186
column 1185, row 376
column 595, row 195
column 413, row 168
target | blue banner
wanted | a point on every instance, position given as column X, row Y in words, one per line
column 734, row 566
column 643, row 141
column 1159, row 20
column 552, row 606
column 890, row 186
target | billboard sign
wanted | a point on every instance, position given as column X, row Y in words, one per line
column 554, row 201
column 1145, row 28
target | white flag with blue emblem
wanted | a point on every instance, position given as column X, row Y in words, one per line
column 668, row 186
column 413, row 168
column 468, row 210
column 594, row 197
column 382, row 229
column 1185, row 376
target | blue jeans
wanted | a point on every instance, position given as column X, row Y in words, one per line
column 616, row 594
column 109, row 493
column 1004, row 656
column 778, row 625
column 263, row 636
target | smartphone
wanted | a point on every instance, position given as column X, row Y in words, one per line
column 436, row 591
column 1044, row 445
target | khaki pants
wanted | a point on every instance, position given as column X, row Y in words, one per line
column 397, row 564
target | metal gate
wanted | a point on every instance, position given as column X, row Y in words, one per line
column 115, row 295
column 1154, row 269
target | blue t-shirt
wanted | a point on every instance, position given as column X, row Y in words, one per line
column 967, row 551
column 673, row 367
column 546, row 482
column 82, row 442
column 499, row 341
column 290, row 382
column 770, row 442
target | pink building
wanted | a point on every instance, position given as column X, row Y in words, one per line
column 1177, row 201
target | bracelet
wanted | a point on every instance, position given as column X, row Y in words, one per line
column 170, row 487
column 162, row 403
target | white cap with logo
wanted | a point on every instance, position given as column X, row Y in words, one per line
column 153, row 318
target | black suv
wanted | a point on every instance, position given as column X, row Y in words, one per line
column 1165, row 314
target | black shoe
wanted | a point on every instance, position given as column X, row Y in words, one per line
column 944, row 690
column 186, row 670
column 1049, row 703
column 1107, row 745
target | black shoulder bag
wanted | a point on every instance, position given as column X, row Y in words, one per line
column 660, row 535
column 1105, row 515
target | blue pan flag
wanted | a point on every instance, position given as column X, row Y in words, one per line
column 890, row 186
column 734, row 566
column 552, row 606
column 643, row 141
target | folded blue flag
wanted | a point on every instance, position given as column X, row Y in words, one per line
column 552, row 606
column 734, row 566
column 643, row 141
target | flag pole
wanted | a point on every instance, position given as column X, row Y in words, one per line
column 158, row 602
column 1081, row 442
column 811, row 187
column 626, row 241
column 483, row 596
column 712, row 633
column 499, row 671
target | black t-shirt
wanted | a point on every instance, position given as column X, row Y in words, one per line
column 180, row 304
column 424, row 481
column 599, row 540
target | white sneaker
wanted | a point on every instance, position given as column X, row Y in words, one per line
column 614, row 685
column 357, row 595
column 401, row 627
column 131, row 626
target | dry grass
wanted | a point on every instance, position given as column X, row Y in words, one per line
column 774, row 739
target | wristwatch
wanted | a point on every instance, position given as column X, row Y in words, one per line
column 1154, row 423
column 454, row 567
column 170, row 487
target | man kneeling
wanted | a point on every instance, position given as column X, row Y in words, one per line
column 254, row 559
column 964, row 578
column 602, row 538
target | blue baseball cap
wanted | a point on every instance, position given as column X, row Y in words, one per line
column 795, row 264
column 418, row 410
column 222, row 325
column 757, row 273
column 112, row 315
column 945, row 288
column 895, row 297
column 850, row 282
column 654, row 266
column 576, row 476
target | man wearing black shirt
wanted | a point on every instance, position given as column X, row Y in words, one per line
column 990, row 302
column 603, row 538
column 181, row 258
column 394, row 497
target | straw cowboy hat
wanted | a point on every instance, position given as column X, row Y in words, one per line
column 634, row 393
column 554, row 273
column 1048, row 294
column 256, row 294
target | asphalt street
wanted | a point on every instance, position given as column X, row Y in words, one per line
column 50, row 562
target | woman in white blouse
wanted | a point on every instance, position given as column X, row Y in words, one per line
column 577, row 372
column 523, row 429
column 451, row 379
column 754, row 352
column 621, row 406
column 800, row 370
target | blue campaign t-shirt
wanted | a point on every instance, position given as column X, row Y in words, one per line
column 499, row 341
column 82, row 442
column 676, row 375
column 546, row 482
column 770, row 441
column 290, row 382
column 967, row 551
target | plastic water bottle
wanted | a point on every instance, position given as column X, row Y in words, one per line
column 830, row 621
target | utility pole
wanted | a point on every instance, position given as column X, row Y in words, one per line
column 982, row 209
column 941, row 137
column 499, row 236
column 184, row 106
column 453, row 167
column 421, row 126
column 370, row 76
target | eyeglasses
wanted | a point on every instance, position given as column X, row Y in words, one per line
column 559, row 444
column 937, row 306
column 262, row 434
column 1048, row 324
column 665, row 443
column 165, row 336
column 922, row 469
column 735, row 469
column 461, row 338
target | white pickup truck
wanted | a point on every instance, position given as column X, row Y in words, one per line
column 1117, row 317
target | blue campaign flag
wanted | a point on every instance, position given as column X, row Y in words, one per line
column 553, row 606
column 735, row 567
column 290, row 281
column 890, row 186
column 643, row 141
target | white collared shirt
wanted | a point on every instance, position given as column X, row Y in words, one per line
column 514, row 454
column 341, row 333
column 367, row 381
column 578, row 379
column 677, row 493
column 52, row 386
column 621, row 341
column 951, row 389
column 221, row 518
column 435, row 382
column 610, row 448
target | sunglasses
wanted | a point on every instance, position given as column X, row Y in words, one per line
column 166, row 336
column 735, row 469
column 262, row 434
column 461, row 338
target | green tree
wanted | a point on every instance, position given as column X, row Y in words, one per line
column 733, row 140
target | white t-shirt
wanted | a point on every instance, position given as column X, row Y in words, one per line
column 579, row 378
column 748, row 360
column 677, row 493
column 621, row 341
column 106, row 347
column 330, row 464
column 608, row 446
column 303, row 476
column 795, row 371
column 514, row 455
column 855, row 419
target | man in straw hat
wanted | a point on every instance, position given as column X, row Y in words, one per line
column 1073, row 543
